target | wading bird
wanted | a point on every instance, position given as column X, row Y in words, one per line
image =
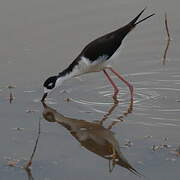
column 95, row 57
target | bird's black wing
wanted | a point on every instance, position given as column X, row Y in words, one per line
column 103, row 46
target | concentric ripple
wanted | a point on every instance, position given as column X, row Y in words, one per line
column 155, row 101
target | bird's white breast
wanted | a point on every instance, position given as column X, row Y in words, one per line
column 87, row 66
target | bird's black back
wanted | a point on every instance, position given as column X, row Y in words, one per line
column 105, row 45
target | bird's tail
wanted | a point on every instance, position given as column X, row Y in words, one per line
column 123, row 31
column 134, row 21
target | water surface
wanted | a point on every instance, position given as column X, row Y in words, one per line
column 40, row 38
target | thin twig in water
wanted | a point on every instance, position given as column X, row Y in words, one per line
column 29, row 163
column 26, row 167
column 167, row 28
column 168, row 40
column 29, row 174
column 10, row 97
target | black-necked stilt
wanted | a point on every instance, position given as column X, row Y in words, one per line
column 96, row 56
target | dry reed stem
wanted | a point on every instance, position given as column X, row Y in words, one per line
column 168, row 40
column 29, row 163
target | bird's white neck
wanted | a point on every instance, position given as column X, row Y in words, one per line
column 61, row 79
column 65, row 77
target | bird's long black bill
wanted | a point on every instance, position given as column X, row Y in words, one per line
column 44, row 104
column 44, row 97
column 144, row 19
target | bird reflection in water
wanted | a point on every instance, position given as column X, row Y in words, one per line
column 112, row 108
column 93, row 136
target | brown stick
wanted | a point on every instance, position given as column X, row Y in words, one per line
column 29, row 174
column 29, row 163
column 11, row 97
column 167, row 28
column 168, row 40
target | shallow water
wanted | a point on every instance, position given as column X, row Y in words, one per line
column 36, row 37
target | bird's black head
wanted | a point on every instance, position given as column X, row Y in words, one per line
column 50, row 82
column 49, row 85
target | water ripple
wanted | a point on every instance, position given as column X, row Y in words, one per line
column 155, row 99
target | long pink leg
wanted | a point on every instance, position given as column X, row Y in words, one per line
column 116, row 90
column 126, row 82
